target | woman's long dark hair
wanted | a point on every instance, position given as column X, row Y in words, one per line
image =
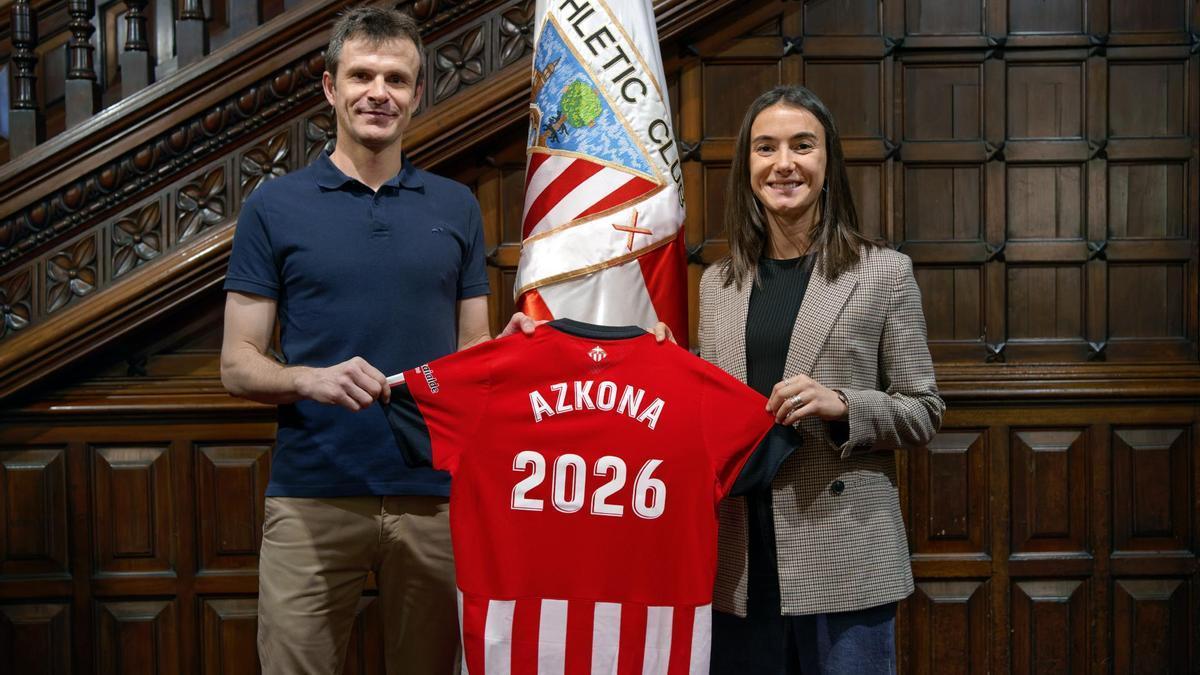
column 834, row 237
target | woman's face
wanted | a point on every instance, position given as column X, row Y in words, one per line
column 787, row 162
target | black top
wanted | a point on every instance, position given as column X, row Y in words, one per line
column 774, row 303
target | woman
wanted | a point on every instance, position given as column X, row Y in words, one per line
column 828, row 324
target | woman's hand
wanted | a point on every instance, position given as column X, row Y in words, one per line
column 801, row 396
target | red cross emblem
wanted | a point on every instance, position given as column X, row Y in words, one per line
column 632, row 229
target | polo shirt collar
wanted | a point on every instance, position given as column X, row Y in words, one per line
column 330, row 177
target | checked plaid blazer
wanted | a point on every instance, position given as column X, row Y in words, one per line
column 840, row 537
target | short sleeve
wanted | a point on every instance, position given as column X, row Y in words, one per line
column 733, row 422
column 436, row 413
column 252, row 267
column 473, row 281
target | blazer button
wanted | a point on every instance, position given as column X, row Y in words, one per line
column 837, row 487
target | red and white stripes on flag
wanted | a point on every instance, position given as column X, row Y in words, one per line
column 534, row 636
column 602, row 237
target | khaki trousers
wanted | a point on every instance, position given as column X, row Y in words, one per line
column 316, row 553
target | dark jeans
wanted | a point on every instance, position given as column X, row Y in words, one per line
column 862, row 642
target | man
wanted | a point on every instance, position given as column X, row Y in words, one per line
column 369, row 266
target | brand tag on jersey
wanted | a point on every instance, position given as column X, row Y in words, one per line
column 429, row 378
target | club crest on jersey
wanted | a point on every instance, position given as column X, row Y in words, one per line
column 598, row 354
column 429, row 378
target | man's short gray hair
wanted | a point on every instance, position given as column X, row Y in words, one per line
column 376, row 25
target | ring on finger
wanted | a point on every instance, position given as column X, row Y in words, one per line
column 796, row 401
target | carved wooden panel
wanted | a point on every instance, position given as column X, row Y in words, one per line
column 201, row 203
column 228, row 636
column 1050, row 626
column 1147, row 16
column 34, row 531
column 953, row 303
column 948, row 623
column 943, row 102
column 1147, row 200
column 18, row 298
column 729, row 88
column 870, row 184
column 1130, row 316
column 842, row 17
column 35, row 639
column 1046, row 100
column 859, row 110
column 1045, row 201
column 137, row 637
column 943, row 203
column 1147, row 99
column 138, row 237
column 1152, row 494
column 1151, row 631
column 72, row 272
column 133, row 508
column 231, row 481
column 1040, row 16
column 944, row 17
column 1045, row 302
column 270, row 158
column 948, row 495
column 1049, row 491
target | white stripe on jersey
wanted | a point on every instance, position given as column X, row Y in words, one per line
column 460, row 633
column 658, row 640
column 606, row 638
column 497, row 637
column 552, row 638
column 701, row 639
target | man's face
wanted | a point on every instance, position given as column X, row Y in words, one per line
column 375, row 91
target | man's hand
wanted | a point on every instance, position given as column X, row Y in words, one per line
column 662, row 332
column 520, row 322
column 353, row 384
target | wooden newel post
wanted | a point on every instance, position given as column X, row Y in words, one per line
column 27, row 127
column 191, row 33
column 135, row 60
column 82, row 94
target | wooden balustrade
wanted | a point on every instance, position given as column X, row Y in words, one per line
column 26, row 124
column 135, row 59
column 160, row 37
column 82, row 92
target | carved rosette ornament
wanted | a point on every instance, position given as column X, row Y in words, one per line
column 320, row 133
column 200, row 204
column 16, row 302
column 71, row 273
column 516, row 32
column 137, row 238
column 265, row 161
column 458, row 63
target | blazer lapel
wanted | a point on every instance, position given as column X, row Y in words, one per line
column 823, row 302
column 739, row 299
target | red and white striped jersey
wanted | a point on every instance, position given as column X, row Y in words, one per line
column 587, row 465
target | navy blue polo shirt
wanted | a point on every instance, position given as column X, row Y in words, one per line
column 357, row 273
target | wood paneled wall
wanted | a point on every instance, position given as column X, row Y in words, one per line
column 1039, row 162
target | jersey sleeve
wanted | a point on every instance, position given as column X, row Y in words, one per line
column 742, row 440
column 436, row 412
column 252, row 267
